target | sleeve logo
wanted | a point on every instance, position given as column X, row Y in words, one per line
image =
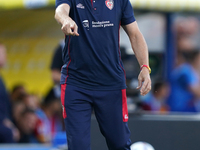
column 109, row 4
column 80, row 6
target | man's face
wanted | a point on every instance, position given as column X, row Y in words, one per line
column 2, row 56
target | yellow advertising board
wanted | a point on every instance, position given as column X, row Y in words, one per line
column 30, row 37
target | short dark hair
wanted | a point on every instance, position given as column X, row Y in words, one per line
column 48, row 101
column 16, row 87
column 157, row 85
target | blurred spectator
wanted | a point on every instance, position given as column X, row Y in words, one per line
column 156, row 101
column 18, row 108
column 26, row 124
column 185, row 43
column 186, row 26
column 50, row 115
column 186, row 29
column 49, row 120
column 56, row 66
column 18, row 92
column 8, row 132
column 185, row 83
column 57, row 63
column 31, row 101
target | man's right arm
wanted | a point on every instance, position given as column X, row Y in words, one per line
column 69, row 27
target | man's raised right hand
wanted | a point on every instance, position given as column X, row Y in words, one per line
column 69, row 27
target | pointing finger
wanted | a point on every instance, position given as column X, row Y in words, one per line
column 75, row 30
column 67, row 30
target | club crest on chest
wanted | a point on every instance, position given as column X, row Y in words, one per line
column 109, row 4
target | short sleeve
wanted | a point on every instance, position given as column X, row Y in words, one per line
column 127, row 13
column 59, row 2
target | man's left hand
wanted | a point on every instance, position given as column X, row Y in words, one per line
column 144, row 81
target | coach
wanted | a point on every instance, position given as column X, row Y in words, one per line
column 93, row 77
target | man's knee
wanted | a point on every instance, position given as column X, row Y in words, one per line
column 120, row 145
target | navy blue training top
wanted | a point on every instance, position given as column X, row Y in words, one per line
column 92, row 60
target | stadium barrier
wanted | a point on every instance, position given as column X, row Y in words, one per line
column 168, row 132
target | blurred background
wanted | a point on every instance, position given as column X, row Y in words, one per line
column 30, row 61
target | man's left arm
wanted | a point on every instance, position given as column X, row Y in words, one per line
column 140, row 49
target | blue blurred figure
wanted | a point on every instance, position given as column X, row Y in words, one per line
column 185, row 83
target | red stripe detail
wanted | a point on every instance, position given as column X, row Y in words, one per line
column 69, row 60
column 119, row 51
column 91, row 2
column 63, row 88
column 124, row 106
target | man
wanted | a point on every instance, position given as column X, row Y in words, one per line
column 93, row 76
column 8, row 132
